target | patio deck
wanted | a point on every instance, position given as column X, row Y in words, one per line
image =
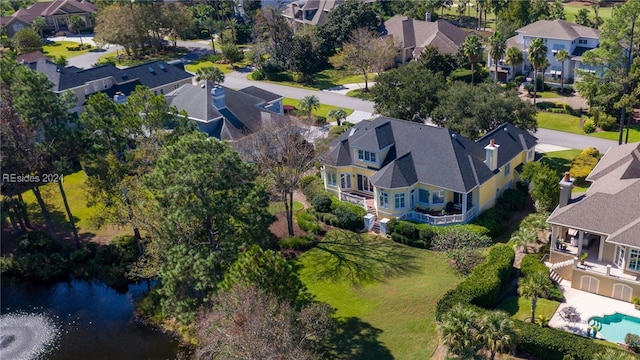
column 592, row 264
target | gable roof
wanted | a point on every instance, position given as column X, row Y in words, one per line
column 611, row 205
column 418, row 34
column 426, row 154
column 46, row 9
column 265, row 95
column 558, row 29
column 31, row 57
column 243, row 113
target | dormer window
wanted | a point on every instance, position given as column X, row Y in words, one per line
column 364, row 155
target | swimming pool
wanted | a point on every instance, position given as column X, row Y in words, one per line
column 616, row 326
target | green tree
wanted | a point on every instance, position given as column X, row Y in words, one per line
column 459, row 330
column 77, row 23
column 308, row 104
column 545, row 191
column 409, row 92
column 582, row 17
column 538, row 58
column 307, row 55
column 534, row 286
column 497, row 48
column 435, row 61
column 210, row 73
column 272, row 34
column 497, row 333
column 562, row 56
column 556, row 11
column 513, row 57
column 366, row 52
column 472, row 50
column 39, row 24
column 337, row 115
column 178, row 21
column 231, row 53
column 344, row 19
column 26, row 40
column 524, row 237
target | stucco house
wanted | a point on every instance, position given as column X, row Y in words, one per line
column 158, row 76
column 557, row 35
column 603, row 223
column 396, row 168
column 225, row 113
column 412, row 36
column 311, row 12
column 56, row 14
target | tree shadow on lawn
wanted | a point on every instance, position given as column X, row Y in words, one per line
column 354, row 339
column 558, row 164
column 360, row 258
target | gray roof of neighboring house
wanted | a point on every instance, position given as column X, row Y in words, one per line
column 241, row 116
column 426, row 154
column 265, row 95
column 611, row 205
column 418, row 34
column 558, row 29
column 153, row 74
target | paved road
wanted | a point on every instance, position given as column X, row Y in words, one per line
column 573, row 141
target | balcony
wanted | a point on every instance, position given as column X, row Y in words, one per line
column 439, row 218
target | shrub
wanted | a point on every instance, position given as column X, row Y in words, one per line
column 305, row 181
column 350, row 216
column 297, row 242
column 492, row 219
column 321, row 120
column 531, row 264
column 258, row 75
column 407, row 229
column 322, row 203
column 465, row 260
column 328, row 218
column 551, row 344
column 633, row 341
column 519, row 79
column 36, row 242
column 458, row 238
column 591, row 151
column 582, row 164
column 311, row 186
column 607, row 123
column 308, row 222
column 426, row 235
column 512, row 200
column 588, row 126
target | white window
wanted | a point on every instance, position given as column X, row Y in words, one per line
column 399, row 200
column 438, row 197
column 383, row 200
column 634, row 260
column 364, row 155
column 331, row 178
column 619, row 258
column 345, row 181
column 507, row 169
column 423, row 196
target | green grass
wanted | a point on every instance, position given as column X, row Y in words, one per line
column 323, row 110
column 111, row 58
column 59, row 48
column 571, row 124
column 570, row 12
column 194, row 66
column 278, row 207
column 520, row 307
column 561, row 162
column 324, row 79
column 391, row 313
column 357, row 93
column 75, row 189
column 634, row 134
column 549, row 95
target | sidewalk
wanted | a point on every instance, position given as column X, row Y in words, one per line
column 344, row 89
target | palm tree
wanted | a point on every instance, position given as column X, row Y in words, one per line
column 210, row 73
column 39, row 24
column 562, row 56
column 459, row 329
column 513, row 57
column 308, row 104
column 524, row 237
column 533, row 286
column 77, row 24
column 337, row 114
column 612, row 354
column 537, row 57
column 496, row 333
column 472, row 50
column 498, row 46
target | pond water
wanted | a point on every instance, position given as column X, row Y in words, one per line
column 77, row 320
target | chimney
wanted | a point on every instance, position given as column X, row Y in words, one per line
column 427, row 17
column 217, row 93
column 566, row 184
column 491, row 155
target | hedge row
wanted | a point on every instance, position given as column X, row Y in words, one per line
column 334, row 212
column 552, row 344
column 531, row 264
column 308, row 222
column 422, row 235
column 483, row 286
column 297, row 242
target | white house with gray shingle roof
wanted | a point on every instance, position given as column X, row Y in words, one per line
column 605, row 224
column 557, row 35
column 398, row 168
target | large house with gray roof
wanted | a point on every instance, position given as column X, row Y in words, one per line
column 158, row 76
column 56, row 15
column 398, row 168
column 413, row 36
column 311, row 12
column 225, row 113
column 557, row 35
column 604, row 223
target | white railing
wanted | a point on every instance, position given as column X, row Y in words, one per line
column 439, row 220
column 354, row 199
column 561, row 264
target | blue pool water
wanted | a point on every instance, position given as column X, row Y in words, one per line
column 615, row 327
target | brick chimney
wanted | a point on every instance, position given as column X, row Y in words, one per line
column 491, row 155
column 217, row 94
column 566, row 184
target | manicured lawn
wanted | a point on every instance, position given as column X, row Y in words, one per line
column 390, row 313
column 278, row 207
column 325, row 79
column 520, row 307
column 634, row 134
column 323, row 110
column 549, row 95
column 75, row 189
column 571, row 10
column 59, row 48
column 560, row 122
column 111, row 57
column 194, row 66
column 561, row 162
column 357, row 93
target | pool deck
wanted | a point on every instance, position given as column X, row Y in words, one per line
column 588, row 305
